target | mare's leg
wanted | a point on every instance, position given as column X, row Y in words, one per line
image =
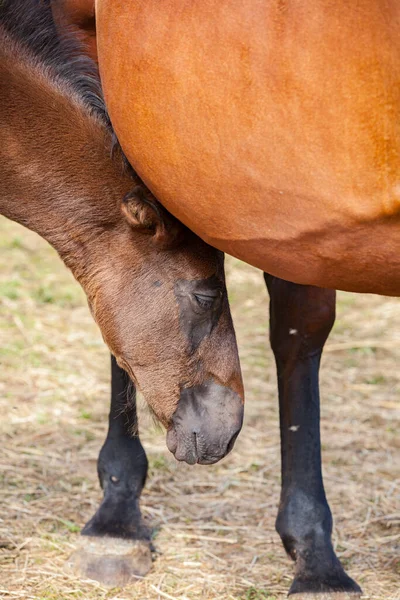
column 117, row 546
column 301, row 318
column 121, row 466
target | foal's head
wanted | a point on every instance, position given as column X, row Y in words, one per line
column 163, row 310
column 156, row 290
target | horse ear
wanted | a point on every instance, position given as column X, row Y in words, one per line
column 141, row 210
column 144, row 213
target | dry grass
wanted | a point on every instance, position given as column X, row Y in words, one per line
column 214, row 525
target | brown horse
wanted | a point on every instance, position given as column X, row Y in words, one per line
column 275, row 137
column 270, row 128
column 156, row 291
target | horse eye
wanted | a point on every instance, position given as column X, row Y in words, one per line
column 204, row 301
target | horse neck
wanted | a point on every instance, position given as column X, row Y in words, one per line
column 57, row 176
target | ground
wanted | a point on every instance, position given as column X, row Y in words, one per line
column 213, row 526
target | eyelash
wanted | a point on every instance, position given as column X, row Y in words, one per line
column 204, row 302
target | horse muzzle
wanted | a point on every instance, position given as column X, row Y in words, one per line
column 206, row 423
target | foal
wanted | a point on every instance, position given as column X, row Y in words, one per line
column 156, row 291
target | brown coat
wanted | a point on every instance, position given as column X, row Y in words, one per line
column 271, row 129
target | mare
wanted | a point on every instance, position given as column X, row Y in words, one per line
column 274, row 126
column 270, row 129
column 156, row 290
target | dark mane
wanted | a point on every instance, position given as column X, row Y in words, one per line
column 30, row 23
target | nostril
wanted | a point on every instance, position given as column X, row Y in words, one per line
column 196, row 453
column 172, row 440
column 232, row 441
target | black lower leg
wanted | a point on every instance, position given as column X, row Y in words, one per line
column 301, row 318
column 122, row 467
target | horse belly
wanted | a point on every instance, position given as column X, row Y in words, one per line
column 271, row 129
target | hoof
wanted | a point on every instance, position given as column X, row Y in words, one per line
column 110, row 561
column 337, row 585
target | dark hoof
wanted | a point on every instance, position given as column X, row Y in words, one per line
column 337, row 587
column 110, row 561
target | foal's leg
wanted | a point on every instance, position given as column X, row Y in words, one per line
column 121, row 466
column 301, row 318
column 109, row 554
